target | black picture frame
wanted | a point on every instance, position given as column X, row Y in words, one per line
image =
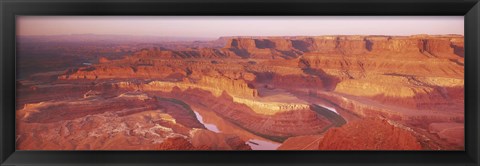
column 9, row 9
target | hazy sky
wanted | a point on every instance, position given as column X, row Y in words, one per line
column 216, row 26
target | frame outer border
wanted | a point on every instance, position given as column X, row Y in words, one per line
column 472, row 25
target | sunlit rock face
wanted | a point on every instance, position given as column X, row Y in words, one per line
column 286, row 93
column 129, row 121
column 381, row 135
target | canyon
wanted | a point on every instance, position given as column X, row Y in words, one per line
column 343, row 92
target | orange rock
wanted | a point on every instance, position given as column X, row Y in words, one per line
column 369, row 135
column 103, row 60
column 217, row 141
column 176, row 143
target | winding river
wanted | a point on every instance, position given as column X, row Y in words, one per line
column 217, row 124
column 209, row 126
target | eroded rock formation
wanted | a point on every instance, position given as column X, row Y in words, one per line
column 268, row 87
